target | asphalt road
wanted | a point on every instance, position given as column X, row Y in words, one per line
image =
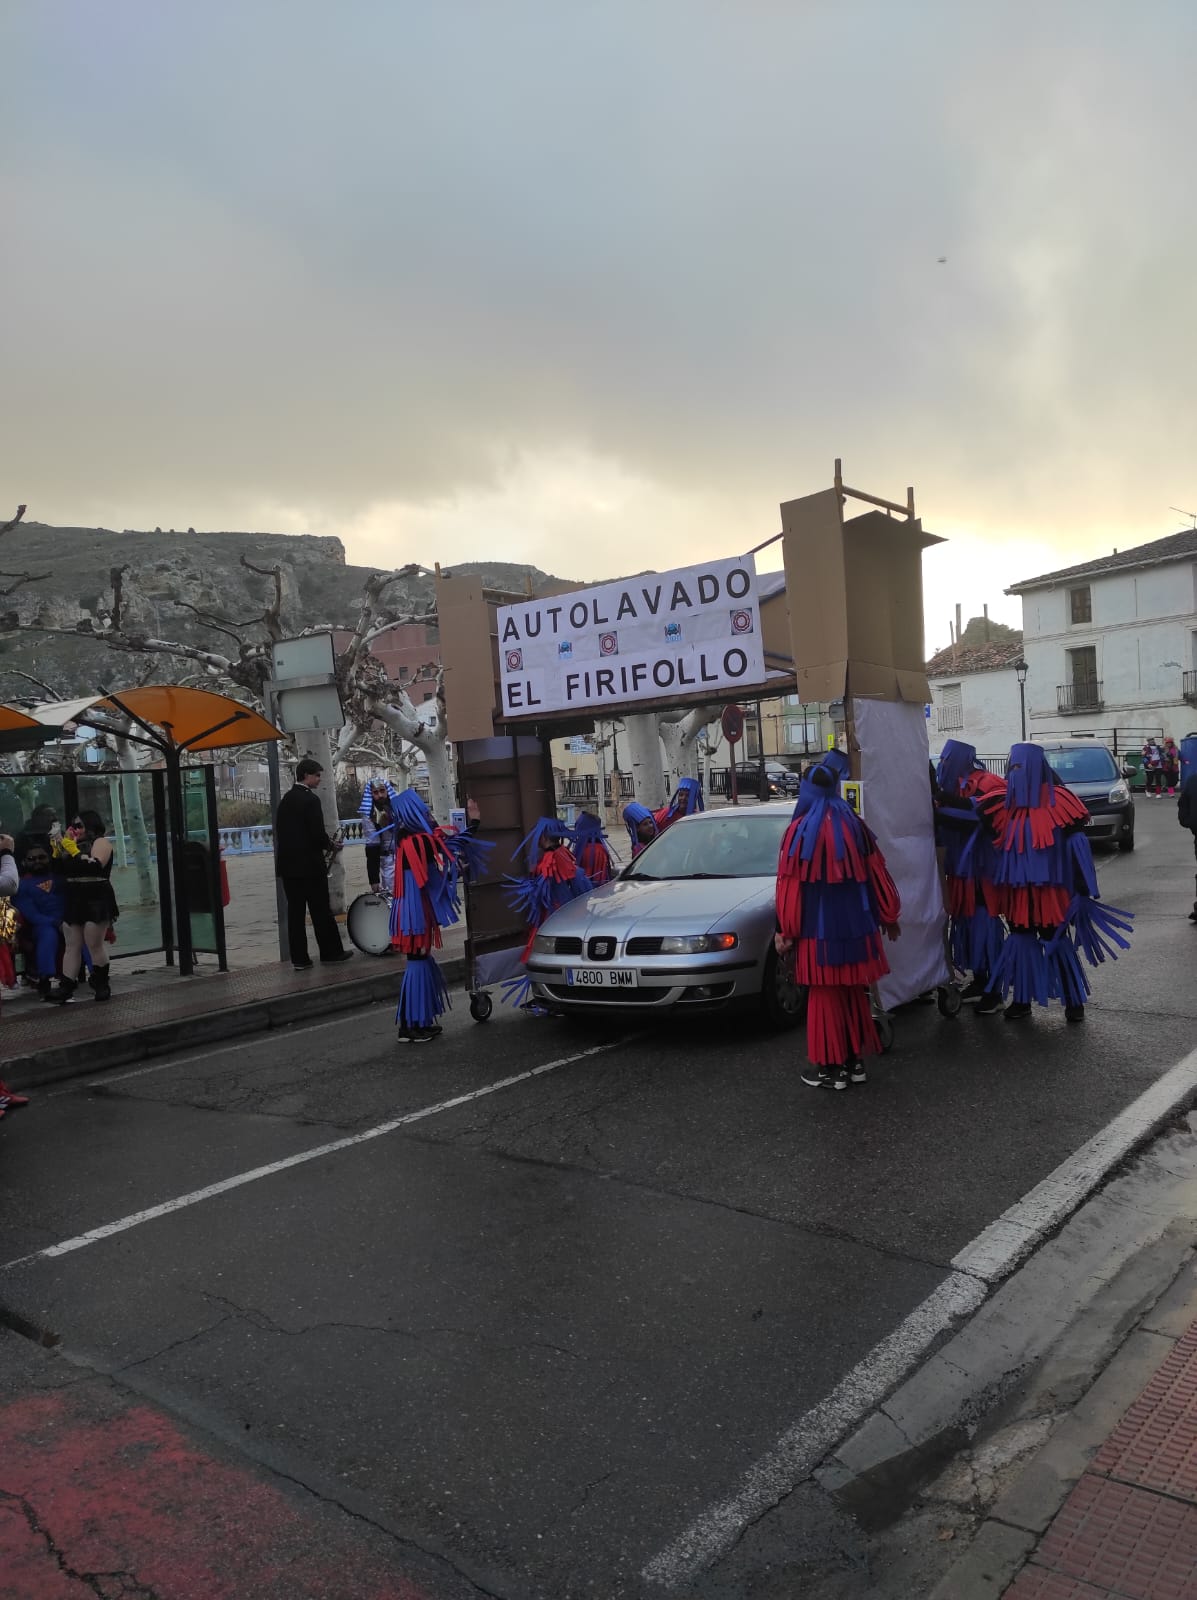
column 534, row 1335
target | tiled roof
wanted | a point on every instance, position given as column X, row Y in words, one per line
column 950, row 663
column 1175, row 547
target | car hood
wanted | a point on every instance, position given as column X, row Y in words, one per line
column 1093, row 791
column 692, row 905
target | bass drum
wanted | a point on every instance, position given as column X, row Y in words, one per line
column 368, row 924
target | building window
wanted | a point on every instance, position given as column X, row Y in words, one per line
column 803, row 735
column 950, row 710
column 1080, row 605
column 1083, row 690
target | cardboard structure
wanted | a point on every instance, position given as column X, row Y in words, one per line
column 854, row 585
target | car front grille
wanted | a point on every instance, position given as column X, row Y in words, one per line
column 568, row 946
column 643, row 997
column 644, row 947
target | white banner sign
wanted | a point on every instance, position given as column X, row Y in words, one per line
column 669, row 634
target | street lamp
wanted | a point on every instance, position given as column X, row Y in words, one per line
column 1020, row 672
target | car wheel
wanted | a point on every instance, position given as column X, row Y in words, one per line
column 1127, row 845
column 783, row 1002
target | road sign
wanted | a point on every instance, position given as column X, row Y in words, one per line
column 831, row 741
column 732, row 723
column 304, row 685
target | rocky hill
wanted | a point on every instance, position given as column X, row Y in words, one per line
column 75, row 565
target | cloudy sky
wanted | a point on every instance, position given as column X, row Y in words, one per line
column 596, row 283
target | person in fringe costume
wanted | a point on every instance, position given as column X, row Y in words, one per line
column 836, row 904
column 685, row 801
column 425, row 901
column 590, row 849
column 1048, row 891
column 641, row 824
column 976, row 932
column 554, row 879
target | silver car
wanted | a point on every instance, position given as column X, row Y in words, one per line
column 688, row 924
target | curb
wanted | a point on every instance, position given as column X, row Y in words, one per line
column 38, row 1068
column 1018, row 1519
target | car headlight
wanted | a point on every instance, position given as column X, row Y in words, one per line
column 544, row 944
column 696, row 944
column 1120, row 794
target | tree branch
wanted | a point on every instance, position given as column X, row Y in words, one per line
column 22, row 578
column 7, row 527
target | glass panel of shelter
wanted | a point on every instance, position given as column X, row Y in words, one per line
column 201, row 861
column 126, row 802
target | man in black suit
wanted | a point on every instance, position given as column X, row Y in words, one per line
column 300, row 844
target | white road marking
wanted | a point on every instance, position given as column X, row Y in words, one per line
column 801, row 1447
column 991, row 1256
column 108, row 1229
column 1001, row 1246
column 258, row 1036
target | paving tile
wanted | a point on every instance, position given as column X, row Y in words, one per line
column 1127, row 1540
column 1037, row 1583
column 1155, row 1443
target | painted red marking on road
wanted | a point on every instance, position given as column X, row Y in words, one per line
column 90, row 1486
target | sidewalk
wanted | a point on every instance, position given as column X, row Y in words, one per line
column 1107, row 1508
column 153, row 1010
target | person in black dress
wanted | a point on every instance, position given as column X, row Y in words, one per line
column 301, row 844
column 83, row 861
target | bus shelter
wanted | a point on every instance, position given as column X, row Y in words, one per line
column 161, row 815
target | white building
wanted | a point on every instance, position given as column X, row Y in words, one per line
column 974, row 697
column 1111, row 645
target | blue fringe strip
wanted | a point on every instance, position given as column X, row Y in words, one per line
column 515, row 991
column 1022, row 969
column 423, row 996
column 470, row 853
column 975, row 943
column 1095, row 929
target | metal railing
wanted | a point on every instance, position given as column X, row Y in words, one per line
column 1189, row 687
column 586, row 787
column 1082, row 696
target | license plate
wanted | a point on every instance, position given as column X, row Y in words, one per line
column 602, row 977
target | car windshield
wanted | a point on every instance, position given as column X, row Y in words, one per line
column 721, row 844
column 1083, row 766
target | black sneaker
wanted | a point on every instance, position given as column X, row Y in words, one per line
column 342, row 955
column 1074, row 1013
column 303, row 966
column 1017, row 1011
column 857, row 1073
column 840, row 1080
column 974, row 991
column 989, row 1004
column 416, row 1035
column 817, row 1078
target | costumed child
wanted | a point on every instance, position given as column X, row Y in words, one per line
column 425, row 901
column 976, row 932
column 554, row 879
column 590, row 849
column 41, row 904
column 836, row 904
column 641, row 824
column 684, row 802
column 1048, row 891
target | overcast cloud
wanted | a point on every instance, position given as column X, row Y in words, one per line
column 596, row 283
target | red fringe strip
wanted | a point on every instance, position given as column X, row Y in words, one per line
column 839, row 1025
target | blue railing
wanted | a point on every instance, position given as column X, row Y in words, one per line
column 257, row 838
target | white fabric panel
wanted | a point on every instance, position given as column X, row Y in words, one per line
column 897, row 806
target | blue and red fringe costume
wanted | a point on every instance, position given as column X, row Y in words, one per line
column 633, row 815
column 1047, row 887
column 684, row 802
column 430, row 862
column 590, row 849
column 554, row 879
column 836, row 901
column 976, row 932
